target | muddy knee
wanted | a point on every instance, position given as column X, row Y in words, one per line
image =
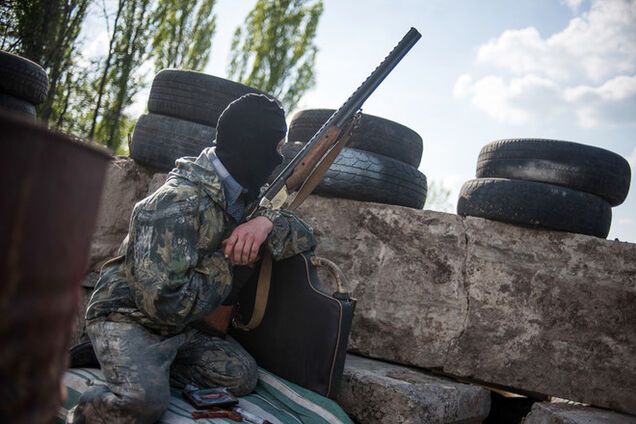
column 100, row 405
column 242, row 375
column 151, row 406
column 238, row 373
column 214, row 362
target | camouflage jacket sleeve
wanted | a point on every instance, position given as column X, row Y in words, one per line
column 290, row 234
column 171, row 280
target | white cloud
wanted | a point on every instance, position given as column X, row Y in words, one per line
column 588, row 69
column 98, row 47
column 616, row 89
column 612, row 102
column 573, row 4
column 519, row 51
column 601, row 41
column 138, row 106
column 518, row 101
column 443, row 193
column 632, row 160
column 596, row 45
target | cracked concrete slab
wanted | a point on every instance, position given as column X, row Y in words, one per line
column 551, row 313
column 377, row 392
column 126, row 183
column 537, row 311
column 405, row 267
column 559, row 413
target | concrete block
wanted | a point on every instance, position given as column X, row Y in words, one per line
column 532, row 310
column 405, row 267
column 560, row 413
column 377, row 392
column 126, row 183
column 549, row 312
column 156, row 181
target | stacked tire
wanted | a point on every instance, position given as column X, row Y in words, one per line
column 184, row 107
column 551, row 184
column 378, row 165
column 23, row 85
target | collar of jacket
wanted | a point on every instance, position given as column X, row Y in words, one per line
column 200, row 171
column 231, row 187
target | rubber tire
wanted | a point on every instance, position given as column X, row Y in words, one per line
column 573, row 165
column 23, row 78
column 374, row 134
column 534, row 204
column 17, row 106
column 369, row 177
column 193, row 96
column 158, row 141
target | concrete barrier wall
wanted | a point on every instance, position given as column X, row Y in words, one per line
column 537, row 311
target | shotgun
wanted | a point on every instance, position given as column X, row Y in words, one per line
column 306, row 169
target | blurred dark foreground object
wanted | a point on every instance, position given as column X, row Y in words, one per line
column 50, row 193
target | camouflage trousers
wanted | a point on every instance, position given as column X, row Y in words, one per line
column 139, row 366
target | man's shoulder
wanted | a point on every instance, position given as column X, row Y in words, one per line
column 175, row 197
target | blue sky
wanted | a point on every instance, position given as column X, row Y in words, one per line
column 483, row 70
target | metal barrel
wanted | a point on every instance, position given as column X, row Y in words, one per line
column 51, row 187
column 362, row 93
column 352, row 104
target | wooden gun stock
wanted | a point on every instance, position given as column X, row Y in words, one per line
column 303, row 170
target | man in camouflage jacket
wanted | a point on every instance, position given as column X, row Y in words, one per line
column 176, row 266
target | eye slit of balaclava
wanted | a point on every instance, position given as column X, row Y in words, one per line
column 248, row 133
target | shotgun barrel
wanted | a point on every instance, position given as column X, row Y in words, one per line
column 341, row 116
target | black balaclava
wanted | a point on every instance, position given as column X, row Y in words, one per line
column 247, row 135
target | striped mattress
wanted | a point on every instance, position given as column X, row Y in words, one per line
column 274, row 399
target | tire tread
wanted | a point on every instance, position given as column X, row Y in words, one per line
column 23, row 78
column 573, row 165
column 535, row 204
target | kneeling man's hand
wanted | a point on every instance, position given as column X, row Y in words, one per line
column 242, row 247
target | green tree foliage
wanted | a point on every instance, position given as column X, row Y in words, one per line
column 46, row 32
column 438, row 197
column 8, row 20
column 183, row 35
column 173, row 33
column 119, row 81
column 61, row 64
column 105, row 70
column 76, row 100
column 274, row 51
column 90, row 97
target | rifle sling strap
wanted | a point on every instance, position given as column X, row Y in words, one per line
column 262, row 294
column 265, row 275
